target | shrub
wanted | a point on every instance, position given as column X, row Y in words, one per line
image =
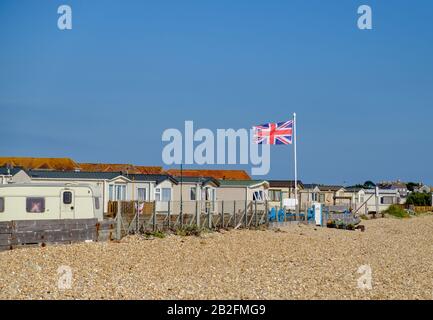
column 397, row 211
column 419, row 199
column 188, row 230
column 156, row 234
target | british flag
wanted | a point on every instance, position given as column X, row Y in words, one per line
column 274, row 133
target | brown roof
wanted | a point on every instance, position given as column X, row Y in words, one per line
column 284, row 184
column 216, row 174
column 40, row 163
column 111, row 167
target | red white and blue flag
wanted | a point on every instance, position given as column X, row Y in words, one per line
column 274, row 133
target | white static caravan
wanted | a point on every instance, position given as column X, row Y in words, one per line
column 48, row 201
column 108, row 186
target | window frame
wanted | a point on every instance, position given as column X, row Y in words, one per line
column 260, row 193
column 193, row 191
column 30, row 199
column 117, row 192
column 140, row 192
column 97, row 203
column 63, row 197
column 162, row 194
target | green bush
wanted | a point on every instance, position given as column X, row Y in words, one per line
column 188, row 230
column 156, row 234
column 397, row 211
column 419, row 199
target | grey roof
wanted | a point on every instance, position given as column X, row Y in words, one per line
column 323, row 187
column 202, row 180
column 158, row 178
column 310, row 185
column 354, row 189
column 4, row 170
column 240, row 183
column 72, row 174
column 329, row 188
column 284, row 183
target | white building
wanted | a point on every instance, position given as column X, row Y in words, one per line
column 113, row 186
column 359, row 196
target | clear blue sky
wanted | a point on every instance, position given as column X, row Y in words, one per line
column 106, row 90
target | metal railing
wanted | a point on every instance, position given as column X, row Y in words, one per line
column 140, row 217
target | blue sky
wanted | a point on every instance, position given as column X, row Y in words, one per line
column 105, row 90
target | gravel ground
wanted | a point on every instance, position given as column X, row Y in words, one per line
column 295, row 262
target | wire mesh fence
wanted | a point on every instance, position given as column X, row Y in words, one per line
column 141, row 217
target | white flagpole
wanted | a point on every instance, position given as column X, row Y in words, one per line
column 296, row 164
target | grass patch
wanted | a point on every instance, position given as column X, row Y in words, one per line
column 189, row 230
column 397, row 212
column 155, row 234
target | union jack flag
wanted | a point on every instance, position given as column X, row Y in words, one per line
column 274, row 133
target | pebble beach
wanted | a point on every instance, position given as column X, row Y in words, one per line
column 292, row 262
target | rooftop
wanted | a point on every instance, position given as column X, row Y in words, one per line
column 216, row 174
column 40, row 163
column 241, row 183
column 200, row 180
column 284, row 183
column 119, row 167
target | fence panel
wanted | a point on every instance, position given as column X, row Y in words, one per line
column 139, row 217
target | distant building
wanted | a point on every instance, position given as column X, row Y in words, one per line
column 6, row 174
column 423, row 189
column 325, row 194
column 241, row 190
column 398, row 186
column 282, row 189
column 363, row 200
column 216, row 174
column 109, row 186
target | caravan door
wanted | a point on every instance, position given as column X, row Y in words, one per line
column 67, row 204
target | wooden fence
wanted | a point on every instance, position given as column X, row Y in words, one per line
column 422, row 209
column 416, row 209
column 15, row 234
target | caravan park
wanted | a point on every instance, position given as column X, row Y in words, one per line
column 206, row 158
column 293, row 262
column 85, row 231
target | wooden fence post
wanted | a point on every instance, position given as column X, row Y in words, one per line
column 154, row 217
column 137, row 215
column 119, row 221
column 255, row 213
column 197, row 214
column 169, row 214
column 234, row 214
column 246, row 214
column 222, row 214
column 209, row 217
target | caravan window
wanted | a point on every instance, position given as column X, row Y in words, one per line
column 258, row 196
column 67, row 197
column 35, row 205
column 193, row 194
column 2, row 204
column 142, row 194
column 163, row 194
column 97, row 206
column 275, row 195
column 117, row 192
